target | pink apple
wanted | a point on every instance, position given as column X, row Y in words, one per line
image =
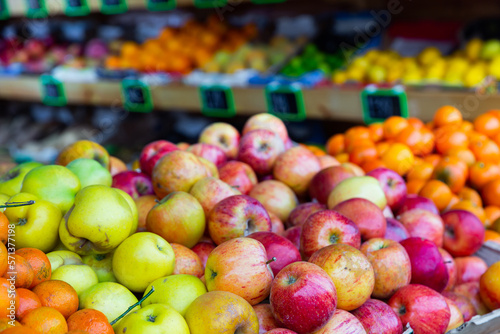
column 424, row 224
column 378, row 317
column 203, row 250
column 465, row 306
column 238, row 175
column 367, row 216
column 153, row 152
column 280, row 331
column 209, row 191
column 464, row 232
column 470, row 269
column 276, row 197
column 303, row 297
column 417, row 202
column 451, row 267
column 267, row 122
column 277, row 247
column 470, row 291
column 237, row 216
column 388, row 212
column 133, row 183
column 325, row 180
column 223, row 135
column 266, row 318
column 456, row 317
column 423, row 308
column 325, row 228
column 392, row 184
column 326, row 161
column 260, row 150
column 299, row 215
column 212, row 153
column 427, row 265
column 342, row 322
column 395, row 230
column 277, row 225
column 293, row 234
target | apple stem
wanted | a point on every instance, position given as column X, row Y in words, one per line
column 16, row 204
column 271, row 260
column 133, row 306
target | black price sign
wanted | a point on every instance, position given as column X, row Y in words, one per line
column 160, row 5
column 380, row 104
column 114, row 6
column 53, row 93
column 136, row 96
column 36, row 9
column 286, row 102
column 217, row 101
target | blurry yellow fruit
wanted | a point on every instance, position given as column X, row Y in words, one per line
column 383, row 60
column 494, row 67
column 372, row 55
column 412, row 76
column 376, row 74
column 453, row 78
column 458, row 64
column 437, row 70
column 394, row 74
column 360, row 62
column 339, row 77
column 475, row 75
column 429, row 55
column 355, row 73
column 473, row 48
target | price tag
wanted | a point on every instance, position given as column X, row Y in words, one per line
column 136, row 96
column 380, row 104
column 286, row 102
column 36, row 9
column 4, row 10
column 210, row 3
column 161, row 5
column 217, row 101
column 53, row 93
column 263, row 2
column 77, row 8
column 114, row 6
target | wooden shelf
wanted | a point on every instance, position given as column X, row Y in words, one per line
column 320, row 103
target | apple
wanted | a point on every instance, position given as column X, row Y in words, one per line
column 427, row 265
column 277, row 247
column 464, row 232
column 142, row 258
column 299, row 215
column 293, row 234
column 237, row 216
column 424, row 224
column 240, row 266
column 221, row 312
column 177, row 218
column 342, row 322
column 395, row 230
column 358, row 171
column 12, row 181
column 203, row 250
column 144, row 204
column 326, row 180
column 63, row 257
column 210, row 168
column 153, row 152
column 303, row 297
column 296, row 168
column 489, row 287
column 367, row 216
column 90, row 172
column 471, row 292
column 238, row 175
column 326, row 161
column 102, row 264
column 83, row 149
column 223, row 135
column 276, row 197
column 266, row 318
column 277, row 225
column 177, row 291
column 417, row 202
column 177, row 171
column 392, row 184
column 209, row 191
column 464, row 305
column 260, row 149
column 470, row 269
column 134, row 183
column 280, row 331
column 325, row 228
column 378, row 317
column 451, row 267
column 116, row 166
column 79, row 276
column 186, row 261
column 456, row 317
column 423, row 308
column 212, row 153
column 365, row 187
column 391, row 265
column 153, row 319
column 52, row 183
column 267, row 122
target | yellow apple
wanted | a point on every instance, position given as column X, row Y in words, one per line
column 153, row 319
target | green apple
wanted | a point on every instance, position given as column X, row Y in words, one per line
column 142, row 258
column 36, row 225
column 366, row 187
column 102, row 265
column 153, row 319
column 133, row 208
column 79, row 276
column 3, row 199
column 90, row 172
column 10, row 183
column 111, row 298
column 63, row 257
column 99, row 221
column 177, row 291
column 490, row 49
column 52, row 183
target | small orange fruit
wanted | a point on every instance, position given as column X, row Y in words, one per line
column 466, row 127
column 470, row 206
column 433, row 159
column 481, row 173
column 438, row 192
column 493, row 236
column 361, row 154
column 342, row 157
column 39, row 263
column 376, row 132
column 452, row 172
column 3, row 259
column 491, row 193
column 335, row 145
column 487, row 124
column 7, row 323
column 470, row 194
column 58, row 295
column 448, row 138
column 447, row 115
column 414, row 186
column 454, row 200
column 486, row 151
column 464, row 154
column 19, row 330
column 399, row 158
column 415, row 123
column 24, row 274
column 7, row 297
column 393, row 126
column 4, row 227
column 370, row 165
column 45, row 320
column 91, row 321
column 28, row 301
column 421, row 171
column 492, row 213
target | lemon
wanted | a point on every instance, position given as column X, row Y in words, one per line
column 473, row 48
column 355, row 73
column 494, row 67
column 339, row 77
column 360, row 62
column 429, row 55
column 377, row 74
column 372, row 54
column 474, row 75
column 412, row 76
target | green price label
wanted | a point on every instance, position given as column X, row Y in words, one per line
column 382, row 103
column 217, row 101
column 263, row 2
column 136, row 96
column 285, row 102
column 161, row 5
column 37, row 9
column 77, row 8
column 4, row 10
column 114, row 6
column 53, row 93
column 210, row 3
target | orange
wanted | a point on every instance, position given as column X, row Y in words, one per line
column 454, row 200
column 490, row 287
column 466, row 127
column 370, row 165
column 448, row 138
column 430, row 125
column 410, row 137
column 315, row 150
column 45, row 320
column 438, row 192
column 476, row 136
column 485, row 150
column 490, row 235
column 470, row 194
column 350, row 146
column 481, row 173
column 4, row 227
column 421, row 171
column 39, row 263
column 19, row 330
column 59, row 295
column 24, row 274
column 361, row 154
column 472, row 207
column 414, row 186
column 416, row 123
column 427, row 142
column 335, row 145
column 7, row 323
column 91, row 321
column 487, row 124
column 342, row 157
column 447, row 115
column 463, row 154
column 433, row 159
column 453, row 172
column 399, row 158
column 3, row 259
column 7, row 295
column 491, row 193
column 382, row 147
column 113, row 62
column 496, row 139
column 376, row 132
column 393, row 126
column 492, row 213
column 28, row 301
column 357, row 133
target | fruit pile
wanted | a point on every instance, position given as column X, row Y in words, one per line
column 248, row 233
column 313, row 59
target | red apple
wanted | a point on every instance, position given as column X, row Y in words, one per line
column 266, row 318
column 423, row 308
column 424, row 224
column 417, row 202
column 144, row 205
column 299, row 215
column 378, row 317
column 203, row 250
column 465, row 306
column 153, row 152
column 456, row 317
column 464, row 232
column 260, row 150
column 187, row 262
column 325, row 228
column 392, row 184
column 395, row 230
column 427, row 265
column 133, row 183
column 267, row 122
column 209, row 191
column 293, row 234
column 223, row 135
column 276, row 197
column 471, row 292
column 367, row 216
column 325, row 180
column 280, row 331
column 237, row 216
column 238, row 175
column 451, row 267
column 212, row 153
column 470, row 269
column 303, row 297
column 342, row 322
column 277, row 225
column 277, row 247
